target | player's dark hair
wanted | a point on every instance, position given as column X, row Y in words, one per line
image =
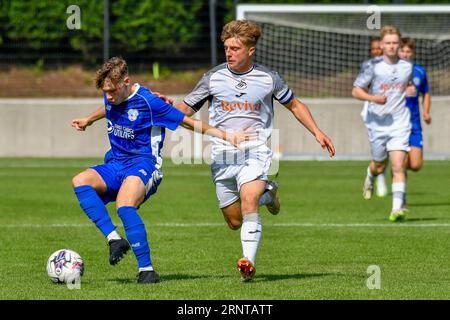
column 372, row 40
column 246, row 31
column 115, row 69
column 408, row 42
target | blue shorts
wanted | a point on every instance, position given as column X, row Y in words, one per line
column 114, row 172
column 415, row 139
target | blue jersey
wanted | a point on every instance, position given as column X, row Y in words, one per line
column 136, row 127
column 421, row 83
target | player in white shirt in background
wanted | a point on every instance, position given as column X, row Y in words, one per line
column 381, row 188
column 240, row 95
column 383, row 83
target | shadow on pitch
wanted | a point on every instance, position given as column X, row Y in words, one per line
column 435, row 204
column 280, row 277
column 421, row 219
column 170, row 277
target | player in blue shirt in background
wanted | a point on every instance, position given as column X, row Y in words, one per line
column 415, row 158
column 136, row 122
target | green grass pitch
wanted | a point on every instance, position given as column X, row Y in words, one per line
column 319, row 247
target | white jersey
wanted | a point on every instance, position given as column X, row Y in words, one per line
column 238, row 101
column 391, row 80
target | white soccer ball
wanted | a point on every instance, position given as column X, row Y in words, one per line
column 65, row 266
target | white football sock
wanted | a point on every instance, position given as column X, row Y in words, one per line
column 381, row 178
column 251, row 231
column 398, row 194
column 370, row 175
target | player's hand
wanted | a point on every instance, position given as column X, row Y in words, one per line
column 325, row 143
column 236, row 138
column 166, row 99
column 411, row 90
column 426, row 118
column 81, row 124
column 379, row 99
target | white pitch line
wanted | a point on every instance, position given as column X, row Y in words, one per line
column 281, row 225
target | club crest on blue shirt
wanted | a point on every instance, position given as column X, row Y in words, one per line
column 110, row 127
column 133, row 114
column 416, row 81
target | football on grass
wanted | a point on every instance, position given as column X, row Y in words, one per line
column 65, row 266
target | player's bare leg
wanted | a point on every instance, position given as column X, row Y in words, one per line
column 414, row 160
column 130, row 196
column 90, row 177
column 233, row 215
column 397, row 159
column 270, row 199
column 131, row 193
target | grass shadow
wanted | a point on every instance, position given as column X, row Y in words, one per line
column 170, row 277
column 297, row 276
column 421, row 219
column 181, row 276
column 435, row 204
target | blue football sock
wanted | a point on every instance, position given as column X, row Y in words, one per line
column 136, row 235
column 93, row 206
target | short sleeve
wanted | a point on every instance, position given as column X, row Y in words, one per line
column 282, row 92
column 197, row 98
column 164, row 114
column 365, row 76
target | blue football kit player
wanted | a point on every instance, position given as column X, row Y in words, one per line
column 415, row 158
column 132, row 169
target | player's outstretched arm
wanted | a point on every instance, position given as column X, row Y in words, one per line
column 183, row 107
column 426, row 104
column 80, row 124
column 303, row 115
column 234, row 138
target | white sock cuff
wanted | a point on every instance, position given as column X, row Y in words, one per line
column 399, row 187
column 146, row 269
column 249, row 217
column 113, row 236
column 381, row 176
column 369, row 173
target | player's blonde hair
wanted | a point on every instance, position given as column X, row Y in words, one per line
column 386, row 30
column 114, row 69
column 246, row 31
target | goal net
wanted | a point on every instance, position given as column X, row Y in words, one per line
column 318, row 49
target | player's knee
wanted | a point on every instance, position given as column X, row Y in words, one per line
column 249, row 201
column 79, row 180
column 397, row 169
column 415, row 166
column 234, row 224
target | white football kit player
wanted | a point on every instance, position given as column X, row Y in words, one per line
column 238, row 101
column 388, row 125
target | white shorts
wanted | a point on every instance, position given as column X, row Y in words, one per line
column 382, row 142
column 230, row 175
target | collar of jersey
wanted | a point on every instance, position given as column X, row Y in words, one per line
column 240, row 74
column 138, row 86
